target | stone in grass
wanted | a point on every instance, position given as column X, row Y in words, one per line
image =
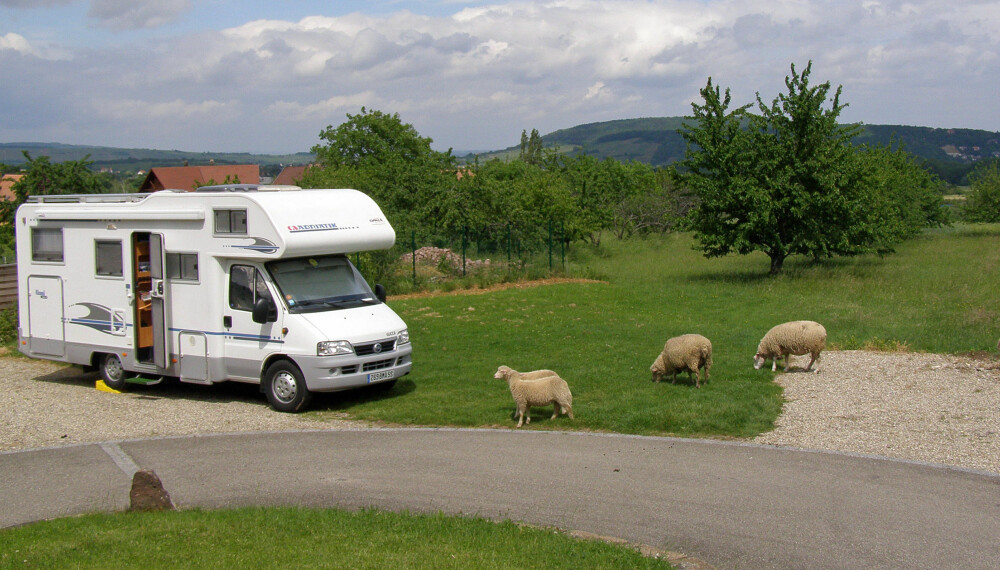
column 148, row 494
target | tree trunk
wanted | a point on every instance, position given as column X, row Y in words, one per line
column 777, row 260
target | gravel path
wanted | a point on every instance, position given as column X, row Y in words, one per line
column 50, row 404
column 924, row 407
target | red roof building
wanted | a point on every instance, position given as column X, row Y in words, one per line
column 191, row 177
column 290, row 175
column 7, row 182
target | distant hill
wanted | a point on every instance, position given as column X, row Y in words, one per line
column 134, row 159
column 656, row 141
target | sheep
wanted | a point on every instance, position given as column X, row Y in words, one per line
column 533, row 375
column 793, row 338
column 689, row 352
column 542, row 391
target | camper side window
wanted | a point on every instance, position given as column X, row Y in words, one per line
column 246, row 285
column 46, row 244
column 108, row 257
column 230, row 221
column 183, row 266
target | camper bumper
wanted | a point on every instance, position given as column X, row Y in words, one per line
column 334, row 373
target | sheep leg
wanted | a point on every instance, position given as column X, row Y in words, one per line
column 555, row 410
column 520, row 416
column 815, row 358
column 569, row 411
column 788, row 361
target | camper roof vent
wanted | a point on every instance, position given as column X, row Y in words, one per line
column 246, row 188
column 228, row 188
column 88, row 198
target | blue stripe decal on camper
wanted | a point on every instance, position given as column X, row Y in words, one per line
column 260, row 245
column 98, row 317
column 236, row 336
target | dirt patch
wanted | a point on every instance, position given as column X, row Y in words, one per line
column 494, row 288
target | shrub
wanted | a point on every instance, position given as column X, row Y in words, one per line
column 983, row 203
column 8, row 325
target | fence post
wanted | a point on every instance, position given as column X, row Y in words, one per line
column 509, row 244
column 562, row 243
column 413, row 250
column 465, row 234
column 550, row 246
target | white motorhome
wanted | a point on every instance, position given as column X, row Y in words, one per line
column 229, row 283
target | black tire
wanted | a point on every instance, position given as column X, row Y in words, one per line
column 112, row 372
column 286, row 388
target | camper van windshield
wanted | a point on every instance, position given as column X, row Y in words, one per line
column 321, row 283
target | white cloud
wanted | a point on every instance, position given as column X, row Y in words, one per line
column 136, row 14
column 478, row 77
column 129, row 110
column 15, row 42
column 321, row 110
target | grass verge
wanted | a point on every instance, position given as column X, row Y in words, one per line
column 301, row 538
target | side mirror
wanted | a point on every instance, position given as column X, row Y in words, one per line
column 264, row 311
column 380, row 292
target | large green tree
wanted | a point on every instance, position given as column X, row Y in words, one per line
column 983, row 202
column 785, row 180
column 379, row 154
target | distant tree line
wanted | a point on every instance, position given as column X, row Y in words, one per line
column 781, row 177
column 430, row 193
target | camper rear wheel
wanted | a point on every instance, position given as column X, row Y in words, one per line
column 285, row 387
column 112, row 372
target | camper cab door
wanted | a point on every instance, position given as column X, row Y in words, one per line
column 247, row 342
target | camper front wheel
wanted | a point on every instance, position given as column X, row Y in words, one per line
column 285, row 387
column 112, row 372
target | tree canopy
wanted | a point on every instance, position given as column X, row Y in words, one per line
column 427, row 192
column 983, row 202
column 785, row 179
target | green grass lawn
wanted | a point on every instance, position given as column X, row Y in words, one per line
column 301, row 538
column 938, row 293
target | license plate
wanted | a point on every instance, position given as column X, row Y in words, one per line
column 384, row 375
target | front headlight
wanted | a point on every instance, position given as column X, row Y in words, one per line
column 333, row 348
column 403, row 337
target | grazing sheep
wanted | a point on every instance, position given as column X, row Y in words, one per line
column 794, row 338
column 534, row 375
column 689, row 352
column 537, row 392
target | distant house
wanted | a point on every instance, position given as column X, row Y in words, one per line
column 190, row 177
column 7, row 185
column 290, row 175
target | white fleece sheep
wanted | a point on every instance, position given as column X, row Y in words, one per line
column 689, row 352
column 793, row 338
column 537, row 391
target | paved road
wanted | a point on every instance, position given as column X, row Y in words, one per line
column 731, row 505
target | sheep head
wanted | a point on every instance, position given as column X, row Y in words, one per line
column 658, row 369
column 503, row 372
column 758, row 361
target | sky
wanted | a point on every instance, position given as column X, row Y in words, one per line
column 268, row 77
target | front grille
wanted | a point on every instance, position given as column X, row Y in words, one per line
column 377, row 365
column 366, row 349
